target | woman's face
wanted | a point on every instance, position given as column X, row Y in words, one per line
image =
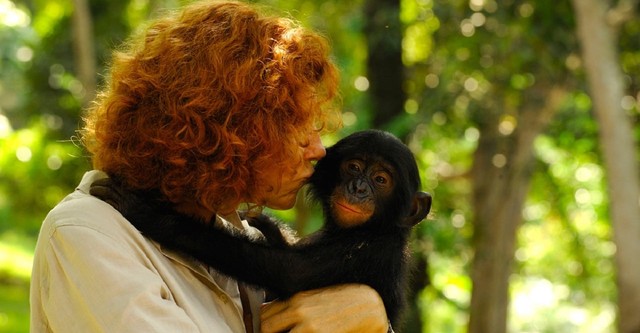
column 280, row 184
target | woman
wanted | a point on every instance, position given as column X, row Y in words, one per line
column 216, row 106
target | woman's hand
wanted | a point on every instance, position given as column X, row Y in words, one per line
column 335, row 309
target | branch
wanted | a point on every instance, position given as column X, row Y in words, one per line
column 623, row 12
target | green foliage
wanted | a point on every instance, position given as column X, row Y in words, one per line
column 35, row 173
column 468, row 64
column 16, row 255
column 420, row 24
column 17, row 39
column 14, row 308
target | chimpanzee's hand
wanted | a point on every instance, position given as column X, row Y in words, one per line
column 276, row 234
column 143, row 209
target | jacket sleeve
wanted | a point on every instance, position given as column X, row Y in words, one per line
column 86, row 281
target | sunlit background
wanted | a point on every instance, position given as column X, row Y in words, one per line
column 470, row 70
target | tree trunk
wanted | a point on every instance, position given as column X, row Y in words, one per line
column 384, row 62
column 501, row 176
column 83, row 45
column 598, row 37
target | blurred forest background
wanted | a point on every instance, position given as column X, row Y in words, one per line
column 523, row 115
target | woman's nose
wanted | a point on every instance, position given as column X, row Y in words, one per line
column 315, row 150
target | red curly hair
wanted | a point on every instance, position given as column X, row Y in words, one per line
column 202, row 101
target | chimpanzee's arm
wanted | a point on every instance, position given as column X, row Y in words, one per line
column 276, row 233
column 283, row 270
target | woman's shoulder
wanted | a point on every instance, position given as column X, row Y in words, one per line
column 81, row 210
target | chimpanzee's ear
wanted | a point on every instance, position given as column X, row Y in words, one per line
column 420, row 208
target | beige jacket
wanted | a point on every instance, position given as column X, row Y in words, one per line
column 94, row 272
